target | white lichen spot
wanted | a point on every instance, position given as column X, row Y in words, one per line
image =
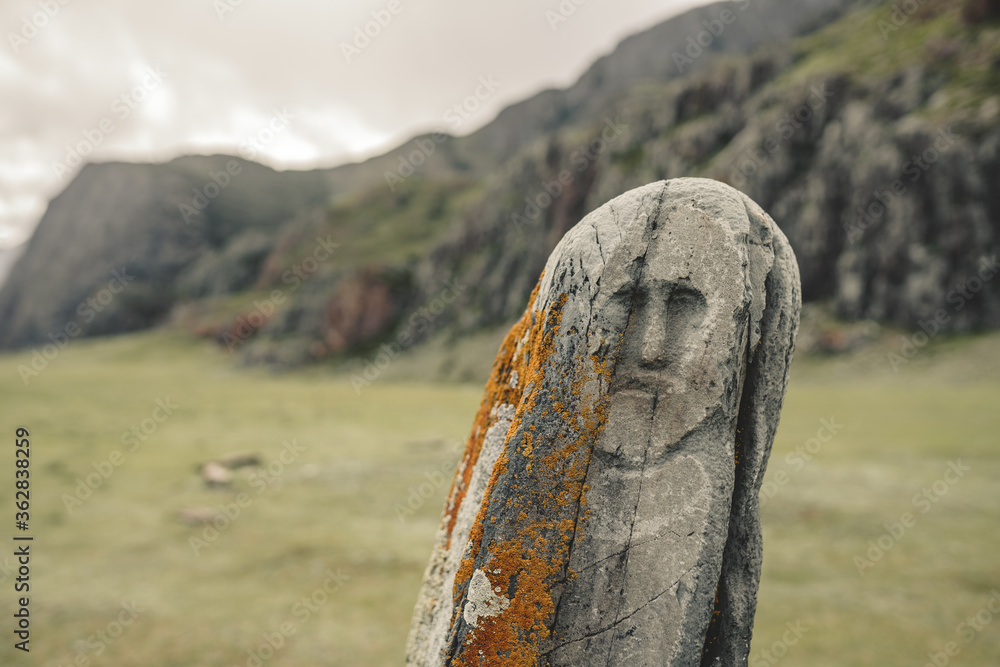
column 505, row 413
column 524, row 339
column 513, row 380
column 482, row 601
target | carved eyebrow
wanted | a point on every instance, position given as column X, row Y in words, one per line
column 687, row 292
column 676, row 286
column 629, row 289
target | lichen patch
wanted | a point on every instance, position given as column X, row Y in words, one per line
column 483, row 600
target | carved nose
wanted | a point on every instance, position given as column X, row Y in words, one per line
column 654, row 343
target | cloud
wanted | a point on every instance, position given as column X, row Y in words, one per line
column 63, row 72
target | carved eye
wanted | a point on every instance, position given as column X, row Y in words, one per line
column 685, row 301
column 626, row 292
column 686, row 310
column 686, row 295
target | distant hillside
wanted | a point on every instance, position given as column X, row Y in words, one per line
column 8, row 257
column 293, row 266
column 877, row 157
column 127, row 218
column 647, row 57
column 115, row 215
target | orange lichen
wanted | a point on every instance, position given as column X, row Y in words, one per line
column 528, row 552
column 529, row 374
column 498, row 392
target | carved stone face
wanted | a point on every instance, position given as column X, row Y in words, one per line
column 665, row 320
column 628, row 455
column 670, row 361
column 661, row 478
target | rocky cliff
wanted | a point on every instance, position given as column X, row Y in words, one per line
column 873, row 141
column 876, row 149
column 138, row 228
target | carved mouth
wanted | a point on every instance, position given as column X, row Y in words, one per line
column 642, row 382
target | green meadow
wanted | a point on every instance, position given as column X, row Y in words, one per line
column 320, row 549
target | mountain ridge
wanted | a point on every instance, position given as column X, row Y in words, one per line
column 476, row 209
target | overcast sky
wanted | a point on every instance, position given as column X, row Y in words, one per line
column 140, row 80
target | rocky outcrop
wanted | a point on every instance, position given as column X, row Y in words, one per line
column 115, row 215
column 881, row 179
column 214, row 217
column 977, row 11
column 8, row 257
column 689, row 43
column 605, row 510
column 362, row 307
column 875, row 144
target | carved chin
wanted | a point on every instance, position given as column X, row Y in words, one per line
column 677, row 415
column 644, row 422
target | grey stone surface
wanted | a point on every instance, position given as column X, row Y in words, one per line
column 605, row 511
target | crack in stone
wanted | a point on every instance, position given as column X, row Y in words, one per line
column 600, row 380
column 583, row 599
column 645, row 456
column 631, row 530
column 621, row 620
column 630, row 546
column 600, row 247
column 576, row 517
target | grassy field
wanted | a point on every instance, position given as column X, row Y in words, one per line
column 331, row 505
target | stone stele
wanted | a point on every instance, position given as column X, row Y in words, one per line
column 605, row 510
